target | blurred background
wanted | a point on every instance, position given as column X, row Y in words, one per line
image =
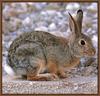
column 18, row 18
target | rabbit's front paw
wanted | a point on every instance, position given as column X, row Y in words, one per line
column 61, row 73
column 53, row 77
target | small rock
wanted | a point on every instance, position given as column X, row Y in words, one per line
column 27, row 21
column 92, row 8
column 87, row 71
column 95, row 41
column 72, row 6
column 13, row 24
column 41, row 28
column 51, row 12
column 52, row 26
column 87, row 22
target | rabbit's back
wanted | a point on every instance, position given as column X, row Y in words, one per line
column 45, row 38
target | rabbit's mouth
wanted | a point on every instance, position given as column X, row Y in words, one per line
column 89, row 52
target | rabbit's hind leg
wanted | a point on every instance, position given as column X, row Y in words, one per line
column 40, row 75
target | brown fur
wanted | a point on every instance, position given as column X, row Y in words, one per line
column 74, row 62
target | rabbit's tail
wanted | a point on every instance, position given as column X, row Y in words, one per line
column 9, row 70
column 7, row 67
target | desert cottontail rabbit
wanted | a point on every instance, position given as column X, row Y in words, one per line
column 40, row 55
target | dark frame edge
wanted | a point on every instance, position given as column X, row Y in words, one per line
column 10, row 1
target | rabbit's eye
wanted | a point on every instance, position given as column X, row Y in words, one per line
column 82, row 42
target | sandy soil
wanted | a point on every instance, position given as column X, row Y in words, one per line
column 86, row 85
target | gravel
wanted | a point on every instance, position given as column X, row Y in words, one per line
column 75, row 85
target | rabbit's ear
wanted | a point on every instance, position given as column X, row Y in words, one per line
column 73, row 25
column 79, row 18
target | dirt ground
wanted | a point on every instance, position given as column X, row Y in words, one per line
column 71, row 85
